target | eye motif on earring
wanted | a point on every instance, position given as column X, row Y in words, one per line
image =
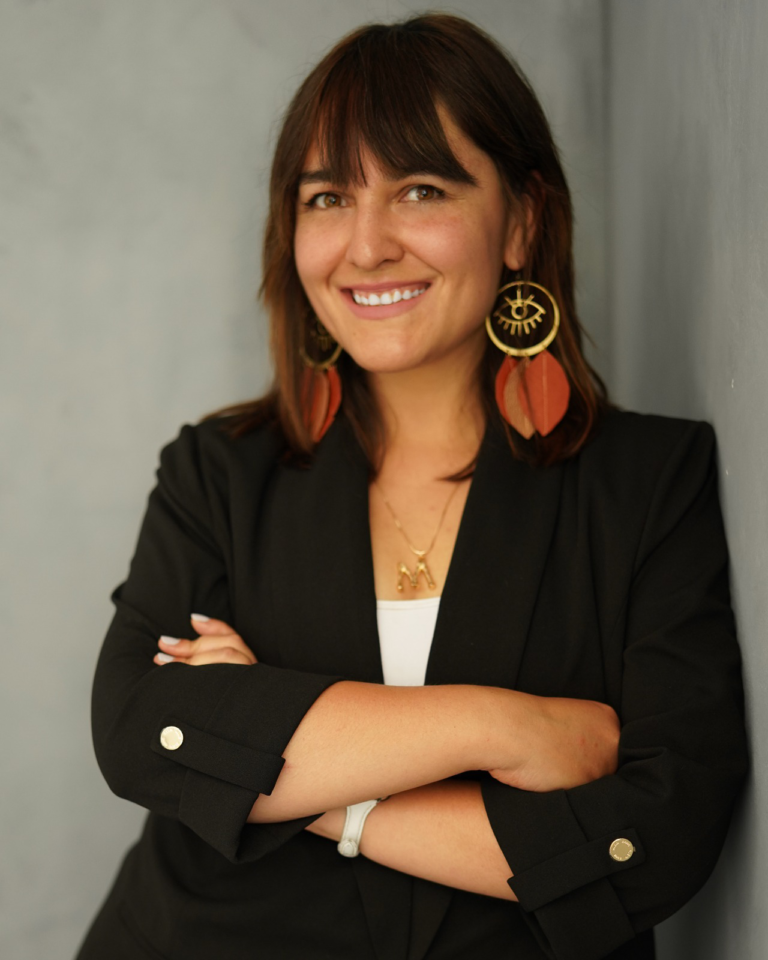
column 532, row 395
column 320, row 381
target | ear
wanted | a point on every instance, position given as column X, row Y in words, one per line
column 521, row 228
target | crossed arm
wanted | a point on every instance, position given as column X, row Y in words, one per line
column 363, row 740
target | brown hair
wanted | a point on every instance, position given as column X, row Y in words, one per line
column 379, row 90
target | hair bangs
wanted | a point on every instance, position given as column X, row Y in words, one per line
column 380, row 103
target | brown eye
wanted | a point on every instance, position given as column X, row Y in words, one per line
column 325, row 201
column 423, row 191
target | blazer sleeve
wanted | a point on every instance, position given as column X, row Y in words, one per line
column 682, row 754
column 233, row 722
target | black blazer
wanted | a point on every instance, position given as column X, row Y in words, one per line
column 604, row 577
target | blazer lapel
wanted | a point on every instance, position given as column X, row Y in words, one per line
column 497, row 565
column 321, row 572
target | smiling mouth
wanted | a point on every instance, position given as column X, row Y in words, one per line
column 384, row 297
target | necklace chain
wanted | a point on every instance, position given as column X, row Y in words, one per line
column 421, row 566
column 419, row 553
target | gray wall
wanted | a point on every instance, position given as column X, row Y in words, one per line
column 134, row 147
column 688, row 142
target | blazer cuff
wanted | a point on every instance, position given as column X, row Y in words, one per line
column 237, row 756
column 216, row 756
column 561, row 878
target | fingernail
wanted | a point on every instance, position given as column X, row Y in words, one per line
column 200, row 616
column 164, row 657
column 170, row 640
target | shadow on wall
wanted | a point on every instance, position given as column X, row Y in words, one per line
column 704, row 928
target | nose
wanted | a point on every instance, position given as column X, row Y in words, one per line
column 373, row 240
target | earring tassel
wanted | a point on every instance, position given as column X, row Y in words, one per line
column 532, row 395
column 508, row 385
column 544, row 392
column 320, row 399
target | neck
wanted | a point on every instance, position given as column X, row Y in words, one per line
column 433, row 412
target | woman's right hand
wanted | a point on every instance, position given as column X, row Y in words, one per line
column 558, row 743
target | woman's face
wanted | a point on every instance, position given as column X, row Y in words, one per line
column 403, row 272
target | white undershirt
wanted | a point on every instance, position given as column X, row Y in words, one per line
column 406, row 628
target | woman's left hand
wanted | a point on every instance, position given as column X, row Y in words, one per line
column 218, row 643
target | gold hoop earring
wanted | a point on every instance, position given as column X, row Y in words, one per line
column 532, row 395
column 323, row 350
column 320, row 381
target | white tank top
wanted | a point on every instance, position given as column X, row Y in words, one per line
column 406, row 628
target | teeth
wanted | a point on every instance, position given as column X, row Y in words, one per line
column 390, row 296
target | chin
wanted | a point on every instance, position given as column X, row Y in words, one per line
column 383, row 361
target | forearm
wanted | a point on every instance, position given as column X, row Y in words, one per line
column 362, row 740
column 439, row 832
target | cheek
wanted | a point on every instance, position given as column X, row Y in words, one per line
column 467, row 248
column 314, row 253
column 316, row 259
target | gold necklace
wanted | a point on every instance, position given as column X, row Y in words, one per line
column 421, row 563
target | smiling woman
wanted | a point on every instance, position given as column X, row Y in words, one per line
column 545, row 691
column 431, row 115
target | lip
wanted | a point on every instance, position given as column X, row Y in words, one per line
column 384, row 310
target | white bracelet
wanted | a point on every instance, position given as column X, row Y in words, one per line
column 349, row 845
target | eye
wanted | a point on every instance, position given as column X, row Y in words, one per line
column 424, row 191
column 325, row 201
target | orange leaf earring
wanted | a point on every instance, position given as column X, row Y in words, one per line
column 532, row 395
column 320, row 381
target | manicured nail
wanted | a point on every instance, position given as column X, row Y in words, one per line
column 170, row 640
column 164, row 657
column 200, row 616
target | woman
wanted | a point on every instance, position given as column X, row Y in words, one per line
column 461, row 582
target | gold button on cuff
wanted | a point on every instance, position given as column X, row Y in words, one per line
column 171, row 738
column 621, row 850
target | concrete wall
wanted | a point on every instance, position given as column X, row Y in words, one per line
column 688, row 240
column 135, row 139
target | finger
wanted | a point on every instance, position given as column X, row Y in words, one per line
column 225, row 655
column 176, row 646
column 208, row 625
column 162, row 658
column 222, row 655
column 203, row 645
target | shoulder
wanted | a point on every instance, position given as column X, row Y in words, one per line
column 644, row 471
column 205, row 458
column 642, row 446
